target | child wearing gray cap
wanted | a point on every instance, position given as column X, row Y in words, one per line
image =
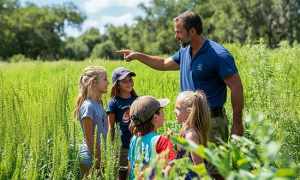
column 146, row 114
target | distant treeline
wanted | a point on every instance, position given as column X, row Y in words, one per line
column 38, row 32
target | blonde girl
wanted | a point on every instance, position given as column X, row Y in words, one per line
column 192, row 111
column 89, row 111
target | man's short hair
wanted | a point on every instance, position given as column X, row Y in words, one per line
column 191, row 20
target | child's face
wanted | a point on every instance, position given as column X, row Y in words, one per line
column 181, row 112
column 158, row 119
column 102, row 83
column 126, row 85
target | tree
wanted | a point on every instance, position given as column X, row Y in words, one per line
column 104, row 50
column 118, row 35
column 6, row 36
column 76, row 49
column 249, row 21
column 37, row 31
column 91, row 37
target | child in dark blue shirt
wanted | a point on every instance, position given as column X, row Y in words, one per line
column 122, row 96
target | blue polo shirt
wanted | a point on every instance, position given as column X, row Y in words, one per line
column 206, row 71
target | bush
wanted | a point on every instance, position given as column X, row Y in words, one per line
column 253, row 157
column 18, row 58
column 76, row 50
column 104, row 50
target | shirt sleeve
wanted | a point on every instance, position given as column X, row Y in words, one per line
column 176, row 57
column 226, row 65
column 87, row 110
column 111, row 107
column 163, row 144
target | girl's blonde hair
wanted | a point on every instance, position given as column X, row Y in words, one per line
column 199, row 117
column 89, row 76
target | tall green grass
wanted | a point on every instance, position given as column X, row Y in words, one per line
column 39, row 137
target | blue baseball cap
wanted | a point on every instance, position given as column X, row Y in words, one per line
column 121, row 73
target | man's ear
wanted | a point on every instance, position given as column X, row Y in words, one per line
column 193, row 31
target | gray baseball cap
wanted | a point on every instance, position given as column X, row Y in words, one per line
column 144, row 107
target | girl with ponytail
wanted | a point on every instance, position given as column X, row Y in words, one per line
column 192, row 111
column 91, row 115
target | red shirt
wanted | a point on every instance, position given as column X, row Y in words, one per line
column 163, row 144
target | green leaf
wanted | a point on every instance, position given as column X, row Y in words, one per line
column 286, row 172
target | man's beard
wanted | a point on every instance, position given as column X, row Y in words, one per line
column 185, row 44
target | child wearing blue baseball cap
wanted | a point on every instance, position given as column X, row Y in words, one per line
column 122, row 96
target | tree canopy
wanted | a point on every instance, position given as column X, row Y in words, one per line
column 38, row 32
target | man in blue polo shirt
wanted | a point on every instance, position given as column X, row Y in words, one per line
column 204, row 65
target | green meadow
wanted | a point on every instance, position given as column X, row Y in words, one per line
column 39, row 137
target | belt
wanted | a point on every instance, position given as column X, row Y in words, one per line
column 216, row 112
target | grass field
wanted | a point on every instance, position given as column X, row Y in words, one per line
column 39, row 137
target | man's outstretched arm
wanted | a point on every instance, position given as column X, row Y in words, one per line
column 155, row 62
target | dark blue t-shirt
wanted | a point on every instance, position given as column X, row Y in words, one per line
column 206, row 71
column 120, row 107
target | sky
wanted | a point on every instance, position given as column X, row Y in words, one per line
column 99, row 12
